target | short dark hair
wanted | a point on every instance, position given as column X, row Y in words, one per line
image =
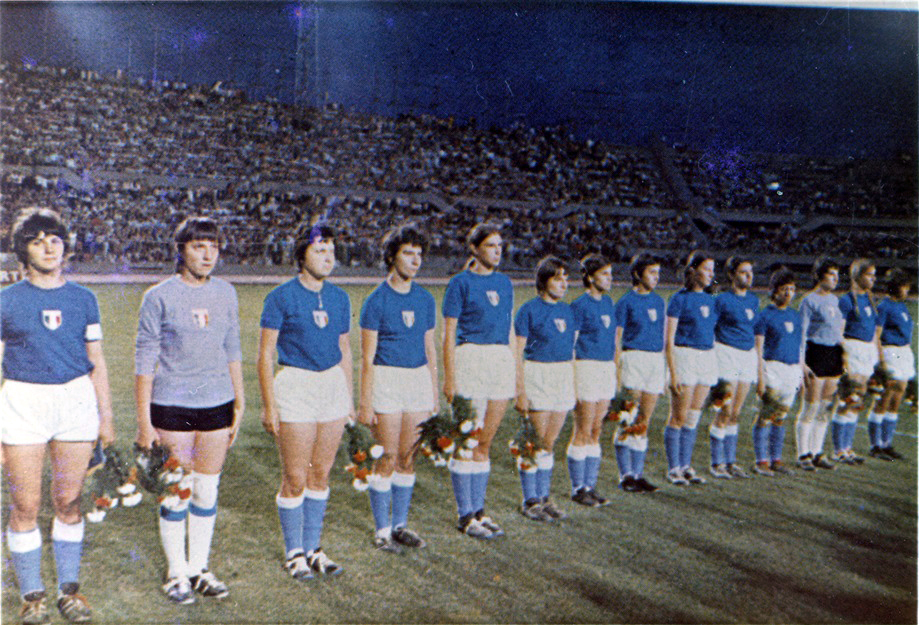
column 545, row 269
column 822, row 266
column 895, row 279
column 479, row 232
column 639, row 263
column 33, row 222
column 779, row 278
column 194, row 229
column 406, row 234
column 306, row 237
column 695, row 258
column 735, row 261
column 591, row 264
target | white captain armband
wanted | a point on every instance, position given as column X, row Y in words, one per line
column 93, row 332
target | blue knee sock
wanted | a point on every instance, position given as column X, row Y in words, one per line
column 687, row 442
column 592, row 466
column 25, row 551
column 888, row 428
column 290, row 512
column 402, row 486
column 479, row 479
column 761, row 443
column 776, row 441
column 624, row 458
column 67, row 540
column 836, row 432
column 576, row 466
column 716, row 438
column 672, row 446
column 314, row 505
column 380, row 492
column 874, row 433
column 638, row 449
column 462, row 487
column 528, row 484
column 730, row 444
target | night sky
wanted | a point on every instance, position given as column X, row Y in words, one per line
column 836, row 82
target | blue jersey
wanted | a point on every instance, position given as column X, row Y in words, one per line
column 549, row 330
column 896, row 323
column 861, row 318
column 596, row 323
column 736, row 315
column 641, row 318
column 821, row 319
column 309, row 324
column 482, row 306
column 695, row 315
column 401, row 321
column 781, row 332
column 45, row 332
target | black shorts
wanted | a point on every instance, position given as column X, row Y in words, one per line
column 181, row 419
column 824, row 360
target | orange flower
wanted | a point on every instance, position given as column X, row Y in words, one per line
column 444, row 441
column 528, row 446
column 350, row 468
column 525, row 466
column 184, row 493
column 361, row 474
column 360, row 456
column 103, row 502
column 515, row 452
column 172, row 464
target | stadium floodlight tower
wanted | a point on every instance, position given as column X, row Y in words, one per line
column 306, row 79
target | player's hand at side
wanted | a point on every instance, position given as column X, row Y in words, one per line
column 522, row 403
column 449, row 390
column 146, row 436
column 366, row 415
column 270, row 420
column 239, row 409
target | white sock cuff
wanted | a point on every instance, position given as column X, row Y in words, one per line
column 852, row 418
column 319, row 495
column 891, row 416
column 637, row 443
column 379, row 483
column 404, row 480
column 692, row 418
column 23, row 542
column 576, row 452
column 874, row 417
column 544, row 460
column 204, row 489
column 731, row 430
column 481, row 466
column 289, row 503
column 593, row 450
column 462, row 467
column 717, row 432
column 67, row 532
column 531, row 467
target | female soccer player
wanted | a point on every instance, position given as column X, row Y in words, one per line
column 55, row 395
column 545, row 329
column 861, row 344
column 896, row 336
column 594, row 377
column 398, row 382
column 736, row 312
column 690, row 335
column 478, row 365
column 189, row 395
column 778, row 346
column 306, row 322
column 641, row 366
column 821, row 324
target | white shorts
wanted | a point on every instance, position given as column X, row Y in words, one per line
column 594, row 380
column 899, row 361
column 485, row 371
column 643, row 371
column 33, row 414
column 783, row 378
column 696, row 366
column 549, row 385
column 399, row 389
column 861, row 356
column 305, row 396
column 736, row 365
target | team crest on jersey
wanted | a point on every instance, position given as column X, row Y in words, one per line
column 789, row 327
column 704, row 310
column 493, row 297
column 51, row 319
column 867, row 311
column 321, row 318
column 408, row 318
column 560, row 324
column 201, row 317
column 652, row 314
column 606, row 320
column 749, row 312
column 905, row 316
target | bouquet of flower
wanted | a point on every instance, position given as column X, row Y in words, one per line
column 772, row 406
column 525, row 444
column 909, row 397
column 160, row 474
column 848, row 394
column 363, row 449
column 878, row 380
column 449, row 433
column 623, row 408
column 719, row 396
column 113, row 483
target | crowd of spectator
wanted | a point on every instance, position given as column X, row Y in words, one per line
column 371, row 171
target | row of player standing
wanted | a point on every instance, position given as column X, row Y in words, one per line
column 190, row 398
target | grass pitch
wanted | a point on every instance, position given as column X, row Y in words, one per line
column 830, row 547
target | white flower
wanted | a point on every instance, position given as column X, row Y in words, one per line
column 170, row 502
column 471, row 443
column 450, row 448
column 376, row 451
column 360, row 485
column 126, row 488
column 96, row 516
column 466, row 426
column 114, row 503
column 465, row 454
column 129, row 501
column 439, row 461
column 173, row 476
column 510, row 444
